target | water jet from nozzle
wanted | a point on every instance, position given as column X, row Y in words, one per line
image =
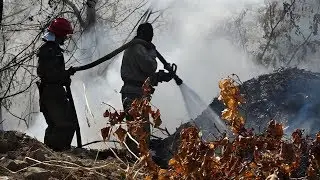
column 201, row 114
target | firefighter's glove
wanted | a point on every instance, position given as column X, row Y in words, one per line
column 164, row 76
column 168, row 67
column 71, row 71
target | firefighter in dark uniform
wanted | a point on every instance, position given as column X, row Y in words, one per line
column 54, row 104
column 138, row 64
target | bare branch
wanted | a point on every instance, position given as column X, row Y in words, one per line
column 14, row 115
column 144, row 14
column 270, row 36
column 90, row 15
column 10, row 83
column 15, row 13
column 141, row 4
column 9, row 65
column 297, row 49
column 99, row 141
column 19, row 92
column 1, row 12
column 76, row 12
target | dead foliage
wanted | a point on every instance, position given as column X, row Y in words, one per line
column 247, row 156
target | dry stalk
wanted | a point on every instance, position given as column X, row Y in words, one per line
column 115, row 154
column 130, row 151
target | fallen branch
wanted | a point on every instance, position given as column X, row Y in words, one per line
column 99, row 141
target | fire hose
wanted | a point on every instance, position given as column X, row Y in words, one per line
column 171, row 68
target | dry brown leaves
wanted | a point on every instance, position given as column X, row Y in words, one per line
column 231, row 97
column 248, row 156
column 141, row 111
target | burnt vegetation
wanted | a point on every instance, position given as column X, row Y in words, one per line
column 274, row 118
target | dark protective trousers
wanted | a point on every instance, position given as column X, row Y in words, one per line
column 60, row 118
column 127, row 99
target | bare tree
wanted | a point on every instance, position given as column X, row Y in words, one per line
column 1, row 10
column 23, row 24
column 281, row 33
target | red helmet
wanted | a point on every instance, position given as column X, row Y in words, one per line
column 60, row 27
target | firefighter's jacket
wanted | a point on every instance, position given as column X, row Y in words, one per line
column 54, row 103
column 138, row 64
column 51, row 67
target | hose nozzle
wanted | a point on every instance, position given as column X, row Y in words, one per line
column 178, row 80
column 173, row 69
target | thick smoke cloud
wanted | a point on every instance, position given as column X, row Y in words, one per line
column 186, row 37
column 203, row 58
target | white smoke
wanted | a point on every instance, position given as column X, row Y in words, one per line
column 186, row 37
column 203, row 58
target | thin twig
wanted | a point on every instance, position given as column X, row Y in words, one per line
column 129, row 135
column 99, row 141
column 297, row 49
column 115, row 154
column 76, row 166
column 130, row 151
column 76, row 12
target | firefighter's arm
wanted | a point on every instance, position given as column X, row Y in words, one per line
column 49, row 67
column 146, row 59
column 147, row 63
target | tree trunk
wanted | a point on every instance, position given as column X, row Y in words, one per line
column 91, row 14
column 90, row 19
column 1, row 121
column 1, row 11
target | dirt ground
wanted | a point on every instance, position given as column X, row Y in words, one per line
column 22, row 157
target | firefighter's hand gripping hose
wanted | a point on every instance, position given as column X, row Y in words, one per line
column 171, row 68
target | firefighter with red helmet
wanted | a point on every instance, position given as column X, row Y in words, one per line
column 54, row 102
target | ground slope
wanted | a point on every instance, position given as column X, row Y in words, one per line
column 287, row 95
column 22, row 157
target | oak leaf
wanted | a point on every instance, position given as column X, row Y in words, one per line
column 156, row 118
column 105, row 132
column 120, row 132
